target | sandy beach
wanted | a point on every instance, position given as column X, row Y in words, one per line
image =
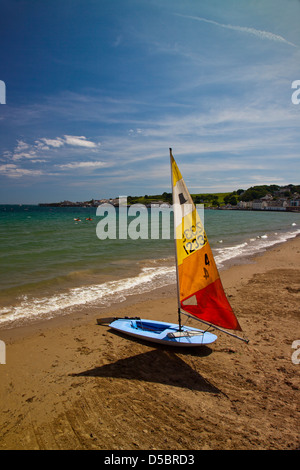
column 69, row 383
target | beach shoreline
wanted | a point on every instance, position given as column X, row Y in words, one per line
column 69, row 383
column 229, row 273
column 52, row 265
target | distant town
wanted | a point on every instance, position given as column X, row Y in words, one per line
column 264, row 197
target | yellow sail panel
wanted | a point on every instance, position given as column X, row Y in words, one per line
column 176, row 175
column 200, row 288
column 190, row 235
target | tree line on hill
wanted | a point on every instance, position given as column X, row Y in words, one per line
column 212, row 200
column 257, row 192
column 217, row 199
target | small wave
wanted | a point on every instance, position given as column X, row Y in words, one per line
column 103, row 294
column 251, row 247
column 229, row 252
column 149, row 278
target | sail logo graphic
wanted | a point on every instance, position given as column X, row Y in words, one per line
column 296, row 94
column 2, row 352
column 2, row 92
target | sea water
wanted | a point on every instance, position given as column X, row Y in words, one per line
column 51, row 263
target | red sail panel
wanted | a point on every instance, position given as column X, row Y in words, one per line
column 211, row 305
column 201, row 290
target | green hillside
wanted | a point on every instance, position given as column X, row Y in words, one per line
column 221, row 199
column 216, row 199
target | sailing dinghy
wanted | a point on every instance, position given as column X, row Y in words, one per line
column 199, row 289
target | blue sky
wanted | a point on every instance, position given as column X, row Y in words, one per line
column 98, row 90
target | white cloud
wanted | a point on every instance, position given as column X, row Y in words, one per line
column 74, row 165
column 24, row 150
column 40, row 152
column 80, row 141
column 74, row 140
column 18, row 156
column 21, row 145
column 58, row 142
column 12, row 171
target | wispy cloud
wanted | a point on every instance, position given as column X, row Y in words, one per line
column 44, row 145
column 12, row 171
column 18, row 162
column 243, row 29
column 80, row 141
column 77, row 141
column 58, row 142
column 92, row 165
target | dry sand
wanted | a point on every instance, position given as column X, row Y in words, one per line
column 72, row 384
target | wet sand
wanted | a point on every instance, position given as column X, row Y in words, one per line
column 69, row 383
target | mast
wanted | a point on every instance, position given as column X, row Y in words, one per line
column 199, row 288
column 176, row 259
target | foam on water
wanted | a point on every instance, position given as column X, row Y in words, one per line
column 251, row 247
column 101, row 294
column 49, row 269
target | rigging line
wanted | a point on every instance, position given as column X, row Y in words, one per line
column 217, row 327
column 189, row 318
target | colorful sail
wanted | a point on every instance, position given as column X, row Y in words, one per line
column 200, row 290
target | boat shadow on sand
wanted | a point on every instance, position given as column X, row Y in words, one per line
column 160, row 365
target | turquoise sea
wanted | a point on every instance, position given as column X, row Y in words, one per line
column 51, row 264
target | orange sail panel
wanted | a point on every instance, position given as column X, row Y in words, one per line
column 200, row 289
